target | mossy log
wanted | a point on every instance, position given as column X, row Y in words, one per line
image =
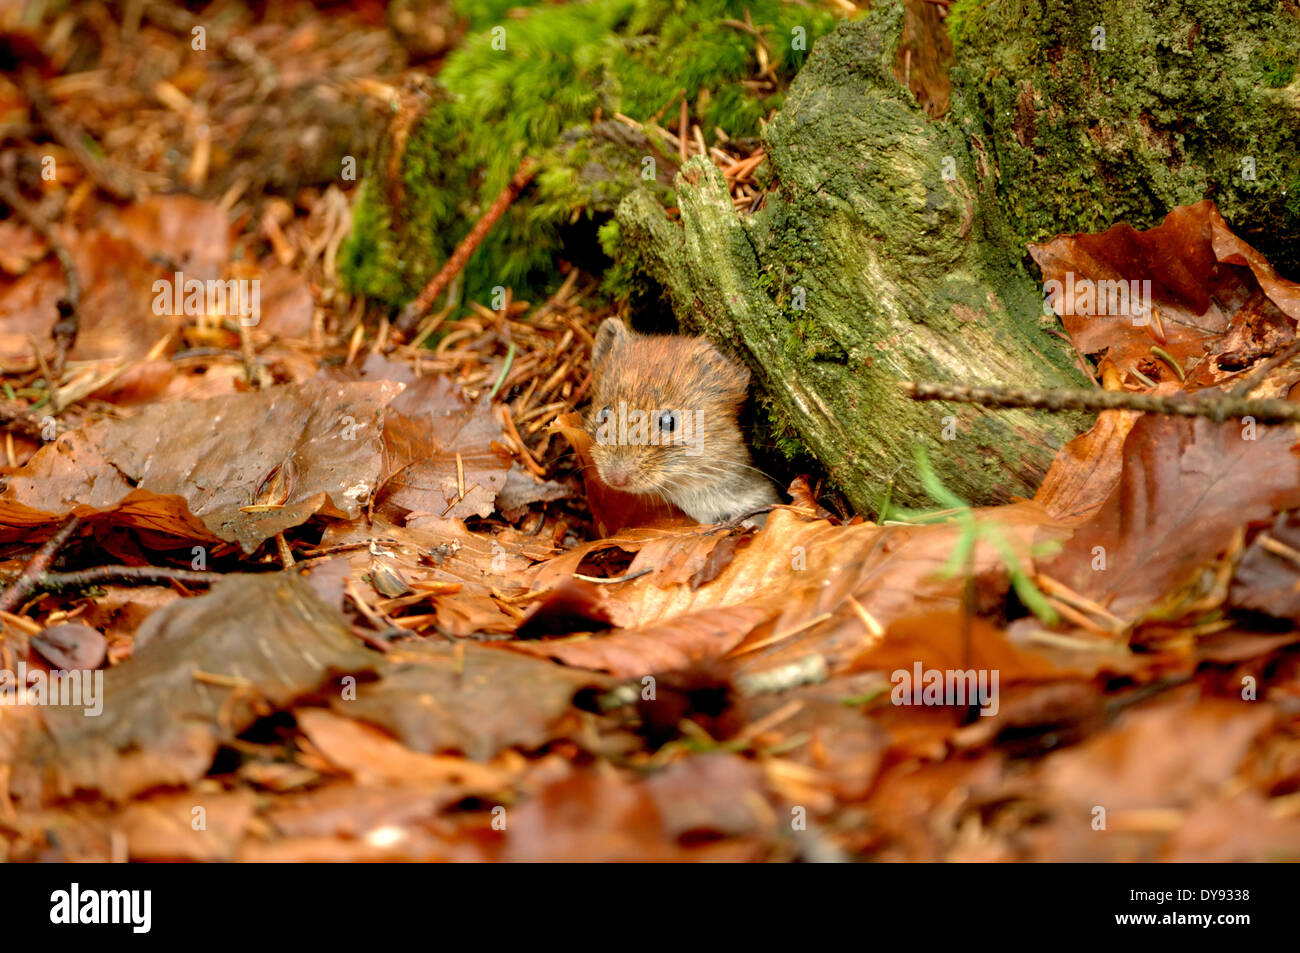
column 912, row 158
column 893, row 247
column 547, row 81
column 878, row 259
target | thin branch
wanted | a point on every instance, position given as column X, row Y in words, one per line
column 127, row 574
column 416, row 309
column 1217, row 407
column 30, row 578
column 65, row 328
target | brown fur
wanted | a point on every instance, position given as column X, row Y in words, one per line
column 684, row 374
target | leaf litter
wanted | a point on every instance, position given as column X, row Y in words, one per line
column 425, row 615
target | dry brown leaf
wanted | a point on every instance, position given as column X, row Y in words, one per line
column 596, row 816
column 1086, row 469
column 436, row 698
column 318, row 440
column 202, row 671
column 1164, row 754
column 1187, row 486
column 798, row 575
column 443, row 454
column 678, row 643
column 373, row 757
column 1201, row 277
column 165, row 828
column 1268, row 576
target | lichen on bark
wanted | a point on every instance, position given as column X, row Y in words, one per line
column 1101, row 111
column 546, row 81
column 879, row 258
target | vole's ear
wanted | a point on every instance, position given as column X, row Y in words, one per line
column 728, row 375
column 610, row 336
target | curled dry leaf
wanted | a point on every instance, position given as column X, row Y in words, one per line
column 574, row 605
column 1085, row 471
column 794, row 581
column 1203, row 280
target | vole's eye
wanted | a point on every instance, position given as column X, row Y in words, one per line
column 603, row 415
column 668, row 421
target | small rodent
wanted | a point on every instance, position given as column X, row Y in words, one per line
column 663, row 421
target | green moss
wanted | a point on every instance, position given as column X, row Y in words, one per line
column 367, row 258
column 561, row 66
column 1276, row 64
column 1184, row 102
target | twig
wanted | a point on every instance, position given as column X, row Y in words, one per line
column 424, row 301
column 107, row 177
column 30, row 578
column 65, row 328
column 129, row 574
column 1217, row 408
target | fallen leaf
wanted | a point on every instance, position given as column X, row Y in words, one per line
column 201, row 672
column 1161, row 755
column 1186, row 487
column 475, row 700
column 1200, row 274
column 373, row 757
column 213, row 455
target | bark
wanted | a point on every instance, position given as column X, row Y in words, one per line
column 893, row 248
column 914, row 158
column 878, row 260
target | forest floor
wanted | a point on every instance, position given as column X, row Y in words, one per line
column 352, row 598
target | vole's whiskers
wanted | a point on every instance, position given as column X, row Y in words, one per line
column 728, row 470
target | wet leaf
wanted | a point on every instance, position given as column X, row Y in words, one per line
column 203, row 670
column 71, row 646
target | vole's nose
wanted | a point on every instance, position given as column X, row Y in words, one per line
column 617, row 476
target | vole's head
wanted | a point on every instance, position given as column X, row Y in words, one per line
column 663, row 410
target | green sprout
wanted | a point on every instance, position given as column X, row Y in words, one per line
column 972, row 532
